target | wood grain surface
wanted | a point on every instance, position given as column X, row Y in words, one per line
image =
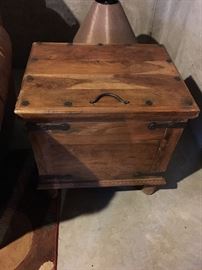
column 141, row 74
column 107, row 96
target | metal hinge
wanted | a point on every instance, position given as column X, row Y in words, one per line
column 155, row 125
column 61, row 178
column 47, row 126
column 142, row 174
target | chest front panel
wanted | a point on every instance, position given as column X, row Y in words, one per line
column 98, row 151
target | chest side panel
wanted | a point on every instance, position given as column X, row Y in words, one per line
column 167, row 147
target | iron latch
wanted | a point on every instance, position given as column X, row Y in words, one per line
column 48, row 126
column 155, row 125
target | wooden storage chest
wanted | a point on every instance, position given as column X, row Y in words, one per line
column 102, row 116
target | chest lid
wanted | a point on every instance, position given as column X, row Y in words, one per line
column 63, row 80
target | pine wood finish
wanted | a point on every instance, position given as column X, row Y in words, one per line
column 78, row 143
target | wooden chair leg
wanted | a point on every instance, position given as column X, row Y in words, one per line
column 149, row 190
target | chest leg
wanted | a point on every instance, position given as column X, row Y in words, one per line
column 149, row 190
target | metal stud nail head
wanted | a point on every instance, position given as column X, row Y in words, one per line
column 68, row 104
column 25, row 103
column 29, row 78
column 177, row 78
column 149, row 102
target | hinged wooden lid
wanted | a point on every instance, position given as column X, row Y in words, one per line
column 63, row 80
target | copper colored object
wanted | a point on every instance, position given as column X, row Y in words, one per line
column 105, row 23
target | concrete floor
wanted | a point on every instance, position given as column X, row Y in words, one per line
column 127, row 230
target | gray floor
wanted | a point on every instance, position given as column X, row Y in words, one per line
column 124, row 229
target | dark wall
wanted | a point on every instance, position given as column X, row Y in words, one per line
column 36, row 20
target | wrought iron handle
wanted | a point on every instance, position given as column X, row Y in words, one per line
column 109, row 95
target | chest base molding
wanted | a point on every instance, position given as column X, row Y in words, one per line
column 54, row 182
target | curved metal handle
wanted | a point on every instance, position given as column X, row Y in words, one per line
column 109, row 95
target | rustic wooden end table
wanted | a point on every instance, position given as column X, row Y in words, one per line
column 103, row 116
